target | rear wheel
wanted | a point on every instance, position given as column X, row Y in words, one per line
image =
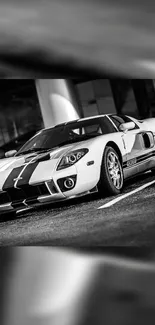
column 112, row 179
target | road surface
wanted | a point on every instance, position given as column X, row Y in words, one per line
column 80, row 223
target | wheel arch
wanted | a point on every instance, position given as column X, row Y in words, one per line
column 116, row 148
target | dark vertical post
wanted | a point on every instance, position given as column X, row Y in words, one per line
column 115, row 92
column 140, row 91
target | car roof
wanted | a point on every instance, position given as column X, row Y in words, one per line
column 91, row 117
column 80, row 120
column 77, row 120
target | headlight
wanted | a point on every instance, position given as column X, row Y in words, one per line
column 71, row 158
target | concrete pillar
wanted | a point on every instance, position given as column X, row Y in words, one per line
column 57, row 101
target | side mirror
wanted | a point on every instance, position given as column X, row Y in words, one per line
column 10, row 153
column 127, row 126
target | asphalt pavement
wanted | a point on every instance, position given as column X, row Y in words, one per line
column 80, row 222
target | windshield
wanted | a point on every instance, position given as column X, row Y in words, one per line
column 65, row 134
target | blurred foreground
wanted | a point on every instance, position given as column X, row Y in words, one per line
column 47, row 286
column 60, row 37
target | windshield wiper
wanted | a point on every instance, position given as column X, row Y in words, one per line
column 33, row 150
column 79, row 139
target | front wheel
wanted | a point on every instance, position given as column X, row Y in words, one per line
column 112, row 179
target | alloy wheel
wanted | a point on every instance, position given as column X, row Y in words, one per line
column 115, row 170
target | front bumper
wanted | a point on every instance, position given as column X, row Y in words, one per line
column 42, row 189
column 29, row 195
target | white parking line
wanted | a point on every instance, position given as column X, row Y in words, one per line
column 109, row 204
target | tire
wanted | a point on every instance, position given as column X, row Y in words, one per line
column 112, row 178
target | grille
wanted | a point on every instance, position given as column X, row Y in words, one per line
column 4, row 198
column 52, row 187
column 24, row 193
column 15, row 194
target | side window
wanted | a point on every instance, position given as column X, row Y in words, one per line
column 90, row 129
column 107, row 126
column 118, row 120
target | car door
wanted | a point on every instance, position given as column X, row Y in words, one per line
column 139, row 145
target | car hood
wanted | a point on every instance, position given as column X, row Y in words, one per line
column 53, row 154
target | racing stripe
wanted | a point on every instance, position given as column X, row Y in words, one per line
column 27, row 173
column 16, row 182
column 9, row 182
column 17, row 194
column 29, row 169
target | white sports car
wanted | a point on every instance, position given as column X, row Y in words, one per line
column 77, row 158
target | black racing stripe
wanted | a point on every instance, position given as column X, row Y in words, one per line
column 9, row 183
column 146, row 157
column 139, row 159
column 27, row 173
column 17, row 194
column 143, row 157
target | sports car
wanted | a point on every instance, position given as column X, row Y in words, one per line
column 95, row 154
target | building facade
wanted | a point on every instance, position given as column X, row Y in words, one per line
column 29, row 105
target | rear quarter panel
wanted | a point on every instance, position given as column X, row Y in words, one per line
column 149, row 125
